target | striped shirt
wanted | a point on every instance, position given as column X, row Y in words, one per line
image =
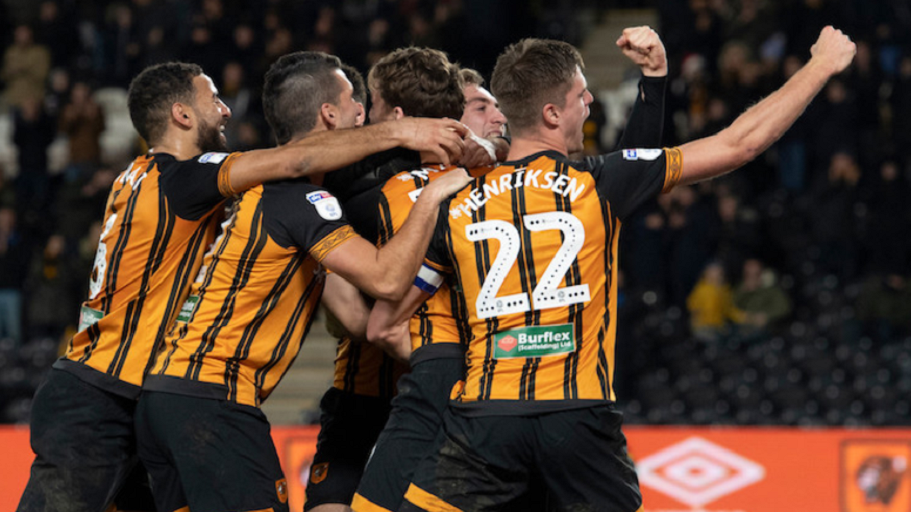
column 533, row 247
column 254, row 301
column 160, row 217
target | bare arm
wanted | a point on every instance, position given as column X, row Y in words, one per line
column 387, row 273
column 346, row 303
column 330, row 150
column 388, row 326
column 764, row 123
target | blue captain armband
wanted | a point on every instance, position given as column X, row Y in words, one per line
column 428, row 279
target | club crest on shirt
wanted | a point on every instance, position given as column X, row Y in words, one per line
column 212, row 158
column 641, row 154
column 326, row 204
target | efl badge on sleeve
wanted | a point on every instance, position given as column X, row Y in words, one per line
column 326, row 205
column 212, row 158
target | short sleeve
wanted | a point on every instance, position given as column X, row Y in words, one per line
column 630, row 177
column 193, row 187
column 299, row 214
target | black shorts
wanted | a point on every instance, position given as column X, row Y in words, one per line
column 413, row 431
column 579, row 456
column 85, row 449
column 349, row 427
column 211, row 455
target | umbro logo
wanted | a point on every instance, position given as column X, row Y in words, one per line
column 697, row 472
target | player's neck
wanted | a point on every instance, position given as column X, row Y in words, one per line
column 180, row 148
column 531, row 143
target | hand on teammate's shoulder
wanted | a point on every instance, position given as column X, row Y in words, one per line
column 448, row 184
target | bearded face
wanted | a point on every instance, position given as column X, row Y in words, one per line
column 210, row 137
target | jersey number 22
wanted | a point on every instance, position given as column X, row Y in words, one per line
column 547, row 294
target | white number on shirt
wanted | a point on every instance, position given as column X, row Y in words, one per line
column 547, row 294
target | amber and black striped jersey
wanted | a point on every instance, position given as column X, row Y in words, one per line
column 358, row 186
column 365, row 369
column 434, row 323
column 362, row 368
column 160, row 217
column 251, row 306
column 533, row 247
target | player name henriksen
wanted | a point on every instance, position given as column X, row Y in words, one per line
column 558, row 183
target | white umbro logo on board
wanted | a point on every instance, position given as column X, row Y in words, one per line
column 696, row 471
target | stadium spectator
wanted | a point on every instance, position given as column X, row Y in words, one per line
column 82, row 121
column 13, row 265
column 834, row 226
column 51, row 286
column 737, row 234
column 240, row 98
column 56, row 31
column 888, row 220
column 122, row 45
column 884, row 306
column 835, row 123
column 711, row 305
column 761, row 300
column 25, row 67
column 688, row 238
column 33, row 132
column 792, row 148
column 863, row 81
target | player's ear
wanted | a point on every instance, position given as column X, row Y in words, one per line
column 329, row 114
column 551, row 115
column 398, row 112
column 182, row 114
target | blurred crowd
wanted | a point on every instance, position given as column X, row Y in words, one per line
column 813, row 229
column 829, row 201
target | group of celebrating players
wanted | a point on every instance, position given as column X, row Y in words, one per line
column 480, row 268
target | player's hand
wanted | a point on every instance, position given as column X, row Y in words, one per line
column 442, row 137
column 643, row 46
column 478, row 152
column 447, row 184
column 833, row 49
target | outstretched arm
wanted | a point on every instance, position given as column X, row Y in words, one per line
column 764, row 123
column 330, row 150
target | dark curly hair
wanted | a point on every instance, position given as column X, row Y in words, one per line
column 153, row 92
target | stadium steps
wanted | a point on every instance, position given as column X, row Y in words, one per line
column 612, row 78
column 605, row 65
column 296, row 399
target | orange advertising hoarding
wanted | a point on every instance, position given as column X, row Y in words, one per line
column 680, row 469
column 772, row 470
